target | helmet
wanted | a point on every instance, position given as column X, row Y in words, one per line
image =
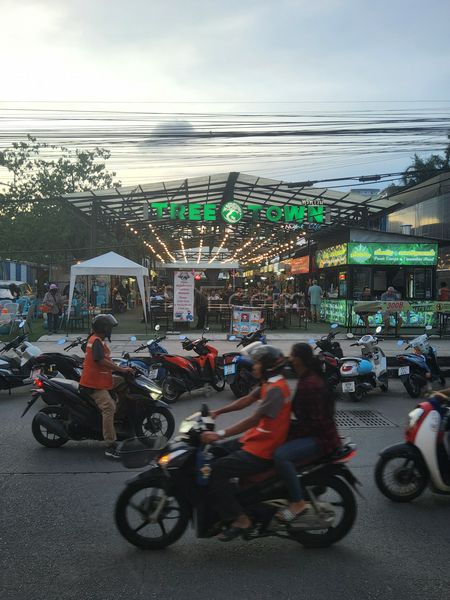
column 103, row 324
column 272, row 359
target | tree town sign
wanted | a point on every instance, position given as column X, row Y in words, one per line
column 232, row 212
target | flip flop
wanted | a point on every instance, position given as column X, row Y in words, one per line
column 232, row 533
column 287, row 516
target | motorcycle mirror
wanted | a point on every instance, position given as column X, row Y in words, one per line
column 181, row 337
column 232, row 338
column 378, row 329
column 334, row 326
column 61, row 342
column 311, row 341
column 157, row 327
column 133, row 338
column 21, row 324
column 400, row 343
column 349, row 336
column 428, row 328
column 206, row 329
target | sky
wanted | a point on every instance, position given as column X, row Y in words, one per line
column 178, row 57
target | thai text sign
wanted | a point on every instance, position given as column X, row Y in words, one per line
column 232, row 212
column 300, row 265
column 332, row 257
column 183, row 296
column 392, row 254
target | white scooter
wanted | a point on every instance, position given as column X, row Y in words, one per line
column 404, row 470
column 16, row 362
column 361, row 374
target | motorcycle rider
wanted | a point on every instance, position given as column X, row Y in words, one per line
column 97, row 378
column 264, row 431
column 313, row 434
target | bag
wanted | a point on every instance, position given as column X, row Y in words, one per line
column 44, row 308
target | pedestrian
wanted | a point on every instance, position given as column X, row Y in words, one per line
column 201, row 305
column 53, row 303
column 444, row 292
column 390, row 295
column 315, row 298
column 363, row 314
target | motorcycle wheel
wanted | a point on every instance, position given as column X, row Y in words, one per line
column 170, row 391
column 400, row 476
column 412, row 387
column 157, row 421
column 335, row 491
column 239, row 387
column 357, row 395
column 42, row 435
column 384, row 386
column 442, row 381
column 133, row 511
column 219, row 384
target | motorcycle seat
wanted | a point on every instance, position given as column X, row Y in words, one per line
column 67, row 383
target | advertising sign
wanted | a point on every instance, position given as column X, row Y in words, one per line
column 392, row 254
column 332, row 257
column 245, row 319
column 300, row 265
column 183, row 296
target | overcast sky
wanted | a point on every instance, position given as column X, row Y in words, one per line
column 232, row 50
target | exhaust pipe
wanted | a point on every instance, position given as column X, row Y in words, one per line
column 51, row 424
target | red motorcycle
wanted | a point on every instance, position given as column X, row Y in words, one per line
column 187, row 373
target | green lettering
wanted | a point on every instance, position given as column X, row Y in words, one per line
column 195, row 211
column 178, row 211
column 294, row 213
column 159, row 207
column 209, row 212
column 254, row 208
column 274, row 214
column 316, row 214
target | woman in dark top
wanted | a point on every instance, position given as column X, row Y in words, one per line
column 312, row 434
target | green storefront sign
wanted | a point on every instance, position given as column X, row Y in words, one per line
column 232, row 212
column 332, row 257
column 392, row 254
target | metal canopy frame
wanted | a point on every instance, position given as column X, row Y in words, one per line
column 129, row 207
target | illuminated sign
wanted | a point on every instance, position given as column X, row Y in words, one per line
column 300, row 265
column 232, row 212
column 332, row 257
column 392, row 254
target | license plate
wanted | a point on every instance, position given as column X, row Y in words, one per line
column 348, row 387
column 229, row 370
column 403, row 371
column 153, row 374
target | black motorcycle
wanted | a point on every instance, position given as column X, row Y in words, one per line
column 55, row 364
column 154, row 509
column 75, row 416
column 17, row 370
column 330, row 353
column 237, row 366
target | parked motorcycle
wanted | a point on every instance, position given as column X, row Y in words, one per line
column 361, row 374
column 237, row 366
column 404, row 470
column 154, row 509
column 16, row 369
column 330, row 353
column 417, row 370
column 57, row 364
column 187, row 373
column 151, row 366
column 76, row 416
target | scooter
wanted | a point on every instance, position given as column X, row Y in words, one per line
column 76, row 416
column 151, row 366
column 404, row 470
column 154, row 509
column 418, row 370
column 16, row 371
column 361, row 374
column 56, row 364
column 330, row 353
column 237, row 366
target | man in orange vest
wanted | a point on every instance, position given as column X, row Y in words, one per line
column 264, row 431
column 97, row 378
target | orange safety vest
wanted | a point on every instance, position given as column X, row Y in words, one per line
column 264, row 439
column 95, row 376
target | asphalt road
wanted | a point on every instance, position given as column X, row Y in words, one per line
column 58, row 539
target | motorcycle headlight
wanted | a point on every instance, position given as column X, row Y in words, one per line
column 414, row 416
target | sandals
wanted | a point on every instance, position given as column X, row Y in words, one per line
column 287, row 516
column 232, row 533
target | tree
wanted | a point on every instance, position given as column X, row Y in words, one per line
column 34, row 221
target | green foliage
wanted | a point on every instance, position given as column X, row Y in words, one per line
column 34, row 220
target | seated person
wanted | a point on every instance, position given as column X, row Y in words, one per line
column 264, row 431
column 312, row 434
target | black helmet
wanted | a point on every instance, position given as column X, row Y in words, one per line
column 103, row 324
column 271, row 359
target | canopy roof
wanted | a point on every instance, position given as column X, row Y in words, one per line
column 109, row 264
column 172, row 240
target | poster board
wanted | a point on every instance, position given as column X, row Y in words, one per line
column 245, row 319
column 183, row 296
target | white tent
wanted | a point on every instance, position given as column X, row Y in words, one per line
column 109, row 264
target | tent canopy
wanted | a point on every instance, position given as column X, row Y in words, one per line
column 109, row 264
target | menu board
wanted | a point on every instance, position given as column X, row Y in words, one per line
column 360, row 253
column 245, row 319
column 183, row 296
column 300, row 265
column 332, row 257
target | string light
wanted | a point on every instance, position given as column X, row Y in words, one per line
column 163, row 244
column 222, row 243
column 183, row 250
